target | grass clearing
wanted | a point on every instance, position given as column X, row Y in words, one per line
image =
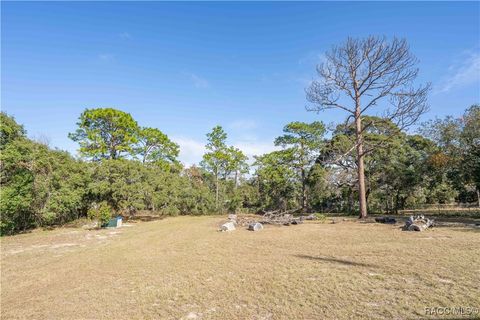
column 183, row 268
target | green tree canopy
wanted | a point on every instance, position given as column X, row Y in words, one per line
column 221, row 160
column 9, row 129
column 277, row 179
column 470, row 139
column 155, row 147
column 237, row 163
column 304, row 141
column 105, row 133
column 216, row 158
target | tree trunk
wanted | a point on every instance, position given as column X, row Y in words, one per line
column 397, row 200
column 367, row 194
column 360, row 165
column 215, row 172
column 216, row 191
column 304, row 191
column 478, row 196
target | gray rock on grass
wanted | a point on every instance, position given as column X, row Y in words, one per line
column 257, row 226
column 228, row 226
column 418, row 223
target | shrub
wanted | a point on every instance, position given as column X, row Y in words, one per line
column 320, row 217
column 101, row 212
column 39, row 186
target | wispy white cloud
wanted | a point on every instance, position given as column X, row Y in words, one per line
column 255, row 148
column 307, row 64
column 312, row 58
column 191, row 150
column 245, row 138
column 303, row 80
column 125, row 35
column 198, row 81
column 461, row 73
column 243, row 124
column 106, row 57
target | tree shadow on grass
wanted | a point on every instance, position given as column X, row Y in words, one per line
column 143, row 218
column 335, row 260
column 472, row 225
column 475, row 229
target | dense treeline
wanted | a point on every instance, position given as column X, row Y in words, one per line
column 366, row 164
column 130, row 168
column 42, row 187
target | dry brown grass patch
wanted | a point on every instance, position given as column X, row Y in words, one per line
column 183, row 268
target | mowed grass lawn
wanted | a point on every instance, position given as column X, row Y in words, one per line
column 183, row 268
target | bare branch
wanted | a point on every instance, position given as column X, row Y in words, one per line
column 365, row 73
column 324, row 98
column 370, row 72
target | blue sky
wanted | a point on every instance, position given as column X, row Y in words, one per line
column 185, row 67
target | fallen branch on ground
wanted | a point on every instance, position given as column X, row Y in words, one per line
column 275, row 217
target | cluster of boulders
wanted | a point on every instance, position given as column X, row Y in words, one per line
column 234, row 221
column 284, row 218
column 254, row 224
column 418, row 223
column 414, row 223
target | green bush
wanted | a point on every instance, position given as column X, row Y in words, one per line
column 39, row 186
column 101, row 212
column 320, row 217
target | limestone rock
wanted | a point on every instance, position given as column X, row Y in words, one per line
column 418, row 223
column 229, row 226
column 257, row 226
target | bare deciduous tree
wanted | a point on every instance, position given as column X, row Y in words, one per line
column 365, row 74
